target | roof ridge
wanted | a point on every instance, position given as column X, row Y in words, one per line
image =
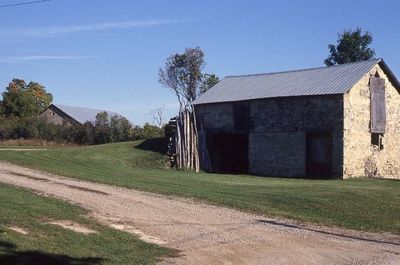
column 79, row 107
column 377, row 60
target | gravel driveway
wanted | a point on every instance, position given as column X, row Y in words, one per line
column 207, row 234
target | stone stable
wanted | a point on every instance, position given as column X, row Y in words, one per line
column 315, row 135
column 70, row 115
column 55, row 116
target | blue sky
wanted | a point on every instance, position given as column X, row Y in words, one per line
column 106, row 53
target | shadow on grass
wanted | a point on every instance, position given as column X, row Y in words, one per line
column 158, row 145
column 10, row 256
column 327, row 232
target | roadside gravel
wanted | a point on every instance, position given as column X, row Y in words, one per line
column 208, row 234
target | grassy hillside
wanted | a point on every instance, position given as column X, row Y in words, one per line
column 365, row 204
column 50, row 244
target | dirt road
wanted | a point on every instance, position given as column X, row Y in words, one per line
column 207, row 234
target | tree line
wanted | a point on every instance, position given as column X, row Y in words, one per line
column 19, row 119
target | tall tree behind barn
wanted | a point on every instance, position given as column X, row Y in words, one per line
column 352, row 46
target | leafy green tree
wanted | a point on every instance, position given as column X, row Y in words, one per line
column 152, row 131
column 120, row 129
column 42, row 98
column 16, row 102
column 81, row 134
column 352, row 46
column 148, row 131
column 136, row 133
column 208, row 81
column 102, row 128
column 77, row 133
column 22, row 100
column 183, row 74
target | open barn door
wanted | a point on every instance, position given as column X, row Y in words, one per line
column 319, row 155
column 231, row 152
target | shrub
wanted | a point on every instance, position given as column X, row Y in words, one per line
column 104, row 130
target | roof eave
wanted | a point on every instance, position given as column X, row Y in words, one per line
column 66, row 114
column 392, row 78
column 269, row 98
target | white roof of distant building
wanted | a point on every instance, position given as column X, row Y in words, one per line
column 81, row 114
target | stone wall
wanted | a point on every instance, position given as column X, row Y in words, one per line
column 277, row 142
column 277, row 135
column 54, row 116
column 361, row 158
column 216, row 117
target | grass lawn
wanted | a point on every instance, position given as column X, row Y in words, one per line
column 363, row 204
column 50, row 244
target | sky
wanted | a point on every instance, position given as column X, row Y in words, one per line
column 106, row 54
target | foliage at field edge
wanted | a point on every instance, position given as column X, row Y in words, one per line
column 24, row 100
column 104, row 130
column 19, row 119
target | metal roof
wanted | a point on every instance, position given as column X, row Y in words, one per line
column 82, row 115
column 331, row 80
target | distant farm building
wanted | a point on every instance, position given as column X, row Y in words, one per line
column 340, row 121
column 62, row 114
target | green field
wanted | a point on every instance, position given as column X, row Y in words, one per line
column 363, row 204
column 50, row 244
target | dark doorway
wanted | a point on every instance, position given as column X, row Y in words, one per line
column 319, row 155
column 231, row 152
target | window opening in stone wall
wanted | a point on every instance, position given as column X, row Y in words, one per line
column 377, row 141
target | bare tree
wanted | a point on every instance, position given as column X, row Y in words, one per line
column 157, row 114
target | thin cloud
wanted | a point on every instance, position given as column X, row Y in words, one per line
column 62, row 30
column 39, row 58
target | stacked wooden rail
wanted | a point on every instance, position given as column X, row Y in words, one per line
column 186, row 142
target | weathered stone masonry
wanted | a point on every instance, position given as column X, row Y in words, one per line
column 277, row 142
column 277, row 131
column 361, row 158
column 57, row 117
column 52, row 116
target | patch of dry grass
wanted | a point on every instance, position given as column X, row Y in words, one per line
column 27, row 237
column 34, row 142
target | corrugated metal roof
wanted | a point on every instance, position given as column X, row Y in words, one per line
column 82, row 115
column 306, row 82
